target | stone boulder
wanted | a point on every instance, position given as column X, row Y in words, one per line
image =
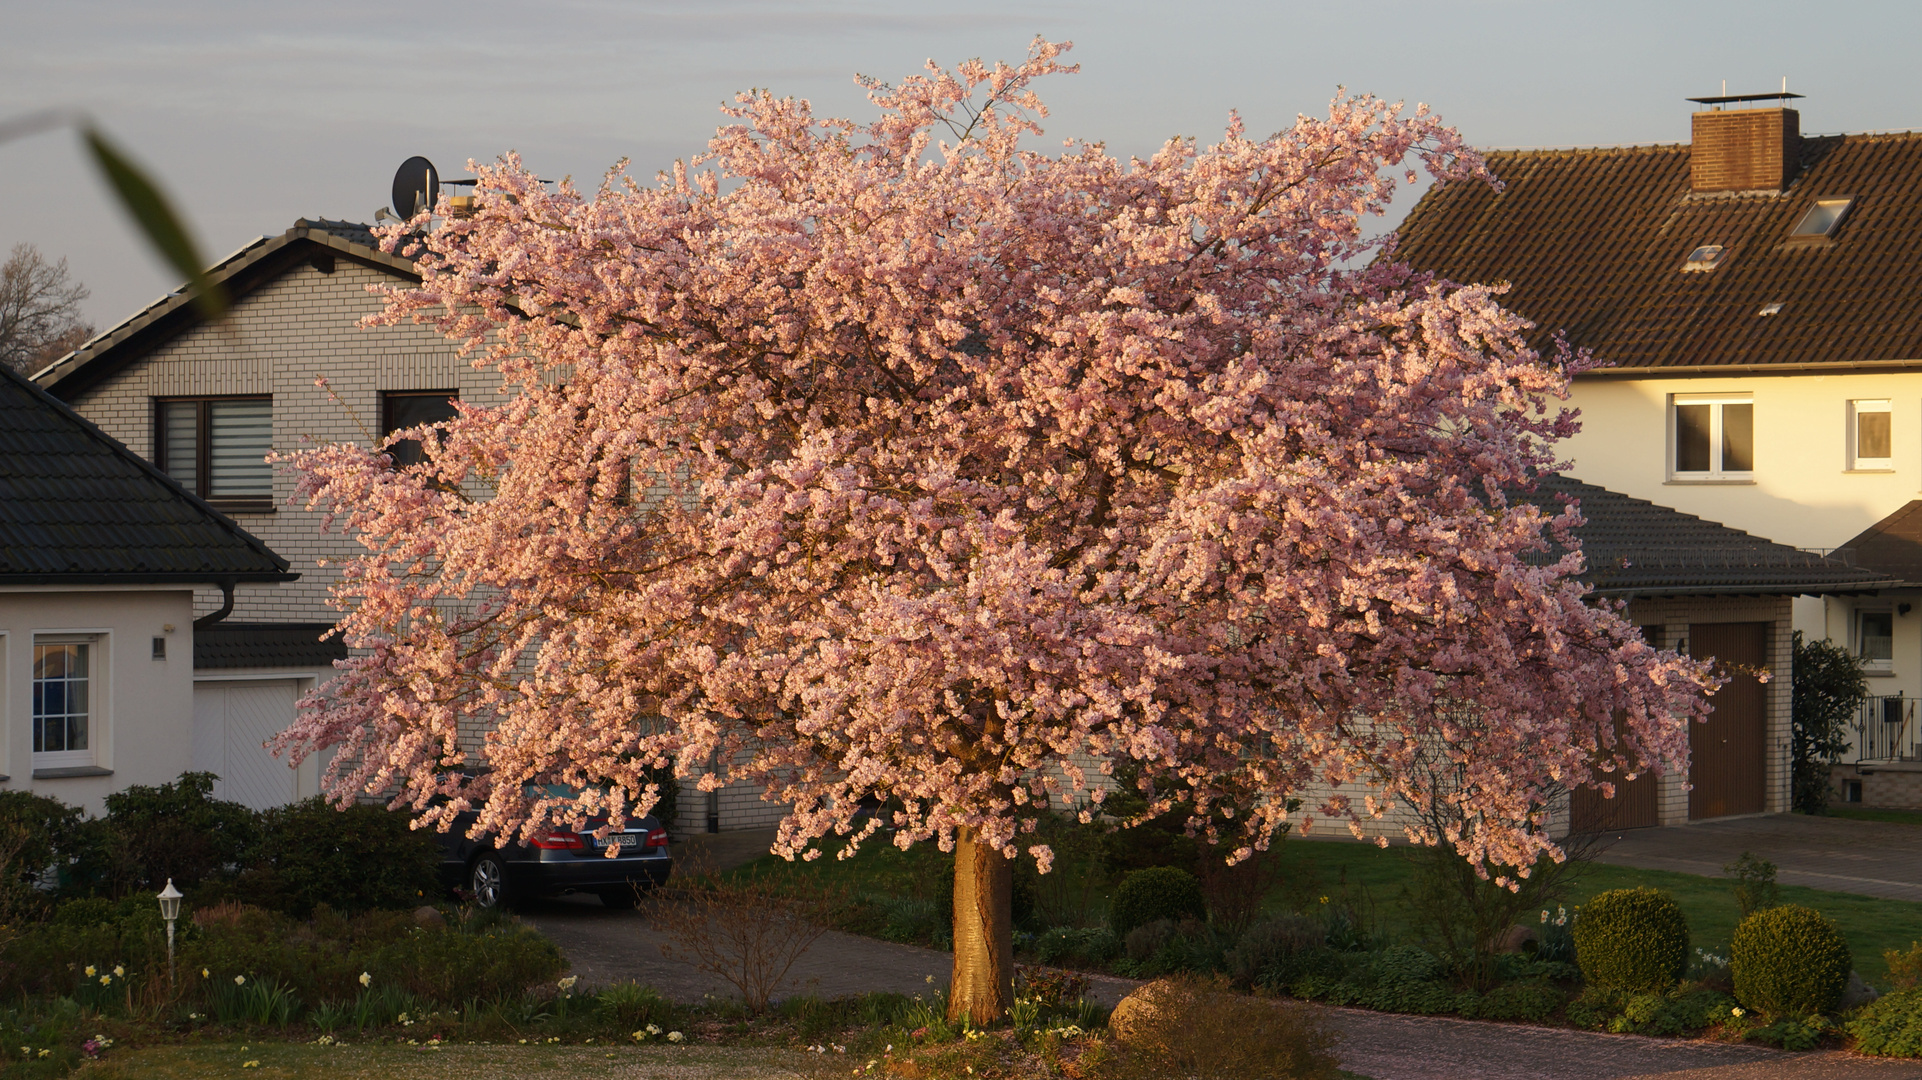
column 1134, row 1020
column 1515, row 938
column 429, row 917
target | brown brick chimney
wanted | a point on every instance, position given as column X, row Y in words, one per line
column 1744, row 149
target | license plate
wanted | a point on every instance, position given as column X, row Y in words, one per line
column 621, row 840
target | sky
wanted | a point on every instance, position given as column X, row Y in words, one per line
column 252, row 113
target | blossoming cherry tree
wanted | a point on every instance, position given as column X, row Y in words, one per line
column 919, row 477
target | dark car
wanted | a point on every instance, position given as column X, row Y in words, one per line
column 556, row 861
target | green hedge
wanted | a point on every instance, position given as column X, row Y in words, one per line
column 362, row 858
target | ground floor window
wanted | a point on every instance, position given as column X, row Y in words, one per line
column 63, row 702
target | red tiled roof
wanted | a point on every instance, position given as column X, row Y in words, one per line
column 1593, row 243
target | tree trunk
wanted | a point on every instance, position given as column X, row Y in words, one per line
column 983, row 986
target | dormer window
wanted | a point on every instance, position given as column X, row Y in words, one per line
column 1702, row 259
column 1822, row 218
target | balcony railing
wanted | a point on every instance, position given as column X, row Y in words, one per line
column 1885, row 729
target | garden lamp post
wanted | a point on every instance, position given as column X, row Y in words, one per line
column 170, row 910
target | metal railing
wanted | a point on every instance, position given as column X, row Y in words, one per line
column 1885, row 729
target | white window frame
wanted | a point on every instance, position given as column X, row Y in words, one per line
column 1857, row 408
column 1715, row 473
column 1873, row 667
column 97, row 699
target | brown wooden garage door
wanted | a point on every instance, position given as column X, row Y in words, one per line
column 1727, row 754
column 1633, row 806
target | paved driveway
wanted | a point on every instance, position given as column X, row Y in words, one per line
column 1874, row 858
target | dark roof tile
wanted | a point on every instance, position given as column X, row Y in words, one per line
column 77, row 506
column 1593, row 241
column 267, row 644
column 1635, row 546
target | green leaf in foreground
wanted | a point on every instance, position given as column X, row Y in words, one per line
column 150, row 210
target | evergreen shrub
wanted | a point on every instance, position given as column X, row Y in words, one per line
column 1789, row 961
column 358, row 859
column 1632, row 939
column 1890, row 1026
column 1158, row 892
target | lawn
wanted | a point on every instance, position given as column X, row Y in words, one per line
column 306, row 1061
column 1310, row 869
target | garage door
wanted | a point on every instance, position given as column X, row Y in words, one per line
column 231, row 721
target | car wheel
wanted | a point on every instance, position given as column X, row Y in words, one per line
column 488, row 880
column 620, row 899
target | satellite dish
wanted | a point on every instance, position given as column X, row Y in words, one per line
column 416, row 186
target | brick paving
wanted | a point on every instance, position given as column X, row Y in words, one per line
column 1873, row 858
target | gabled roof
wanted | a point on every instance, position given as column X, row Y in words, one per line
column 255, row 264
column 265, row 644
column 1894, row 544
column 1633, row 546
column 77, row 507
column 1593, row 243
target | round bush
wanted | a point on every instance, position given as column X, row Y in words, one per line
column 1632, row 939
column 1789, row 961
column 1159, row 892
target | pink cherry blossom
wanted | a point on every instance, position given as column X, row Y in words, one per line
column 900, row 459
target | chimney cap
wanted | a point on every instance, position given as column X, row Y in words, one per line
column 1725, row 99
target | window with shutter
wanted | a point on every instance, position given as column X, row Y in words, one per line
column 217, row 449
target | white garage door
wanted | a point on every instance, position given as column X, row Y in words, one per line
column 231, row 721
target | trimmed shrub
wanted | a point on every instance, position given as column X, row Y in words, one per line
column 1158, row 892
column 1890, row 1026
column 1789, row 961
column 1632, row 939
column 357, row 859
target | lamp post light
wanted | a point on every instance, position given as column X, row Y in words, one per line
column 170, row 910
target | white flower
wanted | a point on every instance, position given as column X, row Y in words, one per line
column 675, row 1036
column 91, row 972
column 106, row 980
column 653, row 1029
column 366, row 979
column 240, row 980
column 568, row 983
column 1544, row 915
column 119, row 972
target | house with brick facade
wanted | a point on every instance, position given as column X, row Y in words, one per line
column 1753, row 299
column 205, row 403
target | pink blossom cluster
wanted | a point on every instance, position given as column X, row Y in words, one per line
column 904, row 461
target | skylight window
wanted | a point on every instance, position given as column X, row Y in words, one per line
column 1823, row 217
column 1702, row 259
column 1769, row 309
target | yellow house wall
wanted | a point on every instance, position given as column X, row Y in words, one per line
column 1803, row 493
